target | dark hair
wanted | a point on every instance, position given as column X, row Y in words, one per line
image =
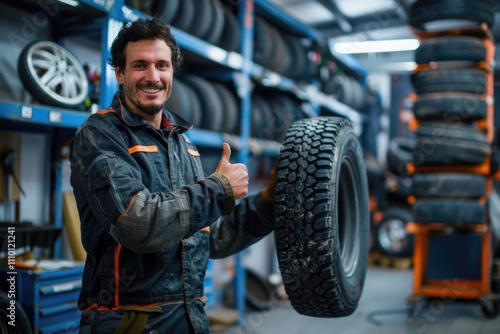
column 139, row 30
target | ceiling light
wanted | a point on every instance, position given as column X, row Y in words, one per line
column 393, row 45
column 354, row 9
column 73, row 3
column 391, row 67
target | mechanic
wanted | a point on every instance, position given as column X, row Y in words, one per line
column 150, row 217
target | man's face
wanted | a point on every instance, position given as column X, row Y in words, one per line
column 147, row 77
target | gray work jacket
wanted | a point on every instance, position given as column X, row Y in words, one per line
column 150, row 218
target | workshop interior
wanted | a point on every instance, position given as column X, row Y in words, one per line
column 379, row 118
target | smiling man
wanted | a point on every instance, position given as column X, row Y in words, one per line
column 150, row 217
column 146, row 77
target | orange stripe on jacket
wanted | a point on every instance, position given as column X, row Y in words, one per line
column 105, row 111
column 117, row 274
column 140, row 148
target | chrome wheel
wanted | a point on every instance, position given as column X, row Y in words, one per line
column 52, row 74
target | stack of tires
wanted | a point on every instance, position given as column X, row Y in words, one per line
column 391, row 189
column 453, row 109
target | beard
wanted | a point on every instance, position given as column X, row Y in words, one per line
column 149, row 109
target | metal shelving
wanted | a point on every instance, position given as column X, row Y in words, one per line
column 118, row 13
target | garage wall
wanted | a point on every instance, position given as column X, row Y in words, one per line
column 17, row 29
column 35, row 178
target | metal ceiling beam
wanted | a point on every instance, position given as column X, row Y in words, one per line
column 341, row 19
column 403, row 9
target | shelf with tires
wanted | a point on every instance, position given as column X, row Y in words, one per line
column 203, row 46
column 450, row 167
column 296, row 59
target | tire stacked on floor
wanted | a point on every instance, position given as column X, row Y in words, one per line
column 450, row 163
column 393, row 214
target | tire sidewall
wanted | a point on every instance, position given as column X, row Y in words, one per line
column 352, row 283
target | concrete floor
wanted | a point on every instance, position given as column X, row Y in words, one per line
column 382, row 310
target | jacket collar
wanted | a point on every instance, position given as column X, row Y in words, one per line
column 135, row 120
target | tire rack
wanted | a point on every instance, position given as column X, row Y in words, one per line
column 466, row 289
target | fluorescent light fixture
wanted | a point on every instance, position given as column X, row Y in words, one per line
column 395, row 67
column 392, row 45
column 215, row 53
column 73, row 3
column 353, row 9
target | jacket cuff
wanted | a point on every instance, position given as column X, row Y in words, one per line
column 230, row 200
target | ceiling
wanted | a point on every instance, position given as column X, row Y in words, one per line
column 365, row 20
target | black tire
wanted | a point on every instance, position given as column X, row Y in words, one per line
column 212, row 109
column 322, row 217
column 398, row 186
column 444, row 48
column 450, row 107
column 450, row 80
column 195, row 104
column 22, row 323
column 266, row 131
column 213, row 34
column 494, row 217
column 391, row 238
column 230, row 35
column 490, row 308
column 263, row 42
column 442, row 144
column 350, row 91
column 180, row 101
column 450, row 185
column 296, row 68
column 185, row 15
column 230, row 106
column 52, row 74
column 203, row 19
column 423, row 12
column 258, row 292
column 374, row 170
column 448, row 211
column 260, row 117
column 166, row 10
column 399, row 154
column 280, row 59
column 283, row 115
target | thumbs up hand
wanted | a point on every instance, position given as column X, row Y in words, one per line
column 237, row 174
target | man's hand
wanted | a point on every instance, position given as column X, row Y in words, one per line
column 237, row 174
